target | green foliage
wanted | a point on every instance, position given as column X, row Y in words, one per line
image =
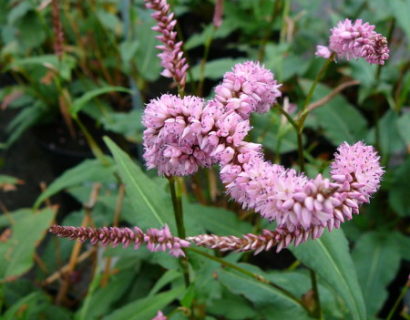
column 151, row 204
column 329, row 257
column 377, row 258
column 261, row 294
column 79, row 103
column 89, row 170
column 109, row 69
column 27, row 229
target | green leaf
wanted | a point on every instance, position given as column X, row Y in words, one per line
column 339, row 119
column 8, row 180
column 403, row 244
column 209, row 218
column 329, row 257
column 126, row 123
column 35, row 305
column 377, row 258
column 99, row 300
column 399, row 190
column 165, row 279
column 43, row 60
column 215, row 69
column 390, row 138
column 79, row 103
column 198, row 39
column 146, row 308
column 401, row 8
column 25, row 119
column 272, row 134
column 86, row 171
column 17, row 252
column 403, row 124
column 19, row 11
column 146, row 59
column 151, row 204
column 261, row 294
column 239, row 308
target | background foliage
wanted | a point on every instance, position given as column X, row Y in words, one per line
column 56, row 108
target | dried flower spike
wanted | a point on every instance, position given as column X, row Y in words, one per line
column 172, row 56
column 353, row 40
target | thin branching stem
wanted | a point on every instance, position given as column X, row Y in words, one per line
column 179, row 220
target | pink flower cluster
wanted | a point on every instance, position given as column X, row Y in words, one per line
column 154, row 239
column 352, row 40
column 172, row 56
column 296, row 202
column 183, row 134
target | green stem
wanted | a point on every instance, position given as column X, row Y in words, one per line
column 399, row 298
column 271, row 22
column 95, row 148
column 299, row 137
column 176, row 196
column 203, row 61
column 319, row 77
column 318, row 309
column 304, row 114
column 376, row 113
column 250, row 274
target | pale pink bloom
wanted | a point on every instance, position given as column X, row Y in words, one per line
column 353, row 40
column 249, row 87
column 172, row 56
column 323, row 51
column 173, row 135
column 160, row 316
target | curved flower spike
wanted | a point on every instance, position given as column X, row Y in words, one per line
column 296, row 202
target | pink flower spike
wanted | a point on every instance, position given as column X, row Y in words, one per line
column 172, row 56
column 218, row 12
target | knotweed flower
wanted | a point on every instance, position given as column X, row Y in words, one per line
column 172, row 56
column 249, row 87
column 183, row 134
column 160, row 316
column 173, row 135
column 296, row 202
column 353, row 40
column 155, row 239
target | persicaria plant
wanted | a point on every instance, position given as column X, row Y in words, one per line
column 184, row 133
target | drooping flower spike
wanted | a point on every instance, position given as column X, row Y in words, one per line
column 296, row 202
column 353, row 40
column 172, row 56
